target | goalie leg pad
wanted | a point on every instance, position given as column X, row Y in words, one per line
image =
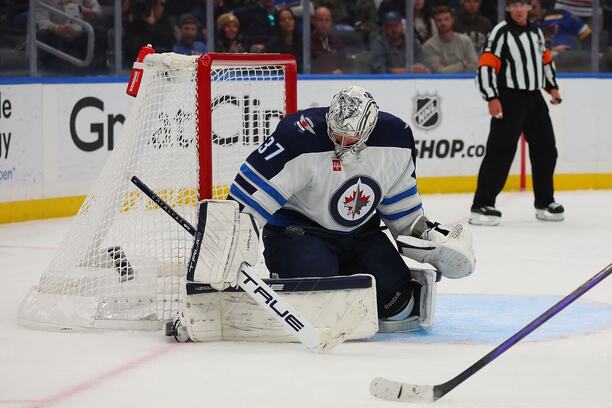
column 334, row 303
column 427, row 296
column 200, row 315
column 224, row 240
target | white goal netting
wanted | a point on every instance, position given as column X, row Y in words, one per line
column 123, row 260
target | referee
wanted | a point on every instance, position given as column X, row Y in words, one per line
column 514, row 66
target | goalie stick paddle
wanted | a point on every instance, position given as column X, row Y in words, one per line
column 313, row 338
column 398, row 391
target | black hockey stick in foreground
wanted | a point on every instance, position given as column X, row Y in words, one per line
column 314, row 339
column 398, row 391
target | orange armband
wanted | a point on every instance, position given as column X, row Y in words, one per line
column 489, row 59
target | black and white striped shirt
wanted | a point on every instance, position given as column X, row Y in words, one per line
column 515, row 57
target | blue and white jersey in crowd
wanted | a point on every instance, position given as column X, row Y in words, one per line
column 297, row 171
column 567, row 28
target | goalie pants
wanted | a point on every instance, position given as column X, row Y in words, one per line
column 524, row 111
column 300, row 251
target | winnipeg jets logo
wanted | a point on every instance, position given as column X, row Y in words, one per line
column 354, row 201
column 305, row 124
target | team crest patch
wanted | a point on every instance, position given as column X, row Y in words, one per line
column 305, row 124
column 354, row 201
column 427, row 114
column 336, row 165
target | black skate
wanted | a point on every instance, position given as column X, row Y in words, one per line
column 553, row 212
column 487, row 215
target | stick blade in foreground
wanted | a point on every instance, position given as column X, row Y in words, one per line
column 396, row 391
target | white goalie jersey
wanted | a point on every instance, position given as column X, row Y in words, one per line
column 295, row 177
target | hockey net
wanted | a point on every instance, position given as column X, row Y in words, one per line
column 122, row 262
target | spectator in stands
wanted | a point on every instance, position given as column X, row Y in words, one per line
column 236, row 4
column 105, row 17
column 146, row 23
column 14, row 16
column 388, row 50
column 258, row 23
column 561, row 28
column 327, row 50
column 199, row 12
column 449, row 52
column 424, row 26
column 489, row 10
column 366, row 20
column 187, row 43
column 180, row 7
column 579, row 8
column 62, row 33
column 228, row 38
column 356, row 15
column 399, row 6
column 469, row 21
column 287, row 39
column 423, row 23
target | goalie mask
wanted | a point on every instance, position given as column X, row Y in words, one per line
column 351, row 118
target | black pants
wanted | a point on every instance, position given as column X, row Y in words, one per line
column 302, row 252
column 524, row 111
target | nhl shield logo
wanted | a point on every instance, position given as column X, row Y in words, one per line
column 427, row 114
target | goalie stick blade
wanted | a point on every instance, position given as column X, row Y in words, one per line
column 396, row 391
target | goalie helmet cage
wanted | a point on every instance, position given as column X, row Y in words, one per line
column 122, row 263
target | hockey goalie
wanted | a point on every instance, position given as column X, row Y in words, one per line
column 320, row 186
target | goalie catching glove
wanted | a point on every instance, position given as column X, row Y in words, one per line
column 449, row 250
column 225, row 240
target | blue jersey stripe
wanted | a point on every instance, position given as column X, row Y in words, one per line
column 249, row 201
column 398, row 197
column 398, row 215
column 263, row 184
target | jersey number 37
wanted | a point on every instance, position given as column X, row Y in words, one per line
column 277, row 148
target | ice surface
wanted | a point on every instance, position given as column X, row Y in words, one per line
column 523, row 267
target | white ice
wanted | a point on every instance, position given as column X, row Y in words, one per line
column 522, row 257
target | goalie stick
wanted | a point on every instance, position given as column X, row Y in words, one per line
column 398, row 391
column 313, row 338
